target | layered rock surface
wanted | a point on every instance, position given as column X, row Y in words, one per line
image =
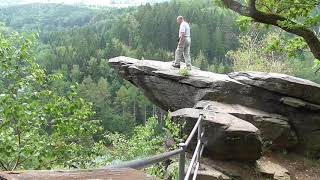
column 277, row 109
column 228, row 137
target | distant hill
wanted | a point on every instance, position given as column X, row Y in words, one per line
column 38, row 17
column 116, row 3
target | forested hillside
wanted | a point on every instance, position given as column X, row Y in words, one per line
column 45, row 17
column 74, row 43
column 77, row 41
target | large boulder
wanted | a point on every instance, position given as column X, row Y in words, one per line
column 275, row 129
column 228, row 137
column 285, row 109
column 272, row 170
column 265, row 168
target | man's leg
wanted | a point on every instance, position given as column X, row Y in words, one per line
column 186, row 53
column 178, row 56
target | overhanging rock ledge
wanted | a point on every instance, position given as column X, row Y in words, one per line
column 278, row 109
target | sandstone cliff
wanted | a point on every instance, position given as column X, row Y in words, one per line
column 246, row 109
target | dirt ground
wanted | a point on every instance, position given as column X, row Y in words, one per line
column 299, row 167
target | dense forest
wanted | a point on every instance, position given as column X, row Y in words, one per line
column 66, row 50
column 77, row 42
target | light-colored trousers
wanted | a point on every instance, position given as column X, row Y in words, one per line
column 183, row 53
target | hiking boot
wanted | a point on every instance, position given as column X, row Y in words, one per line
column 175, row 65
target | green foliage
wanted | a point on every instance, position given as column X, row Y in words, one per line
column 243, row 22
column 77, row 41
column 174, row 129
column 295, row 16
column 291, row 9
column 57, row 123
column 210, row 28
column 201, row 61
column 301, row 67
column 256, row 54
column 184, row 72
column 294, row 45
column 271, row 52
column 40, row 129
column 44, row 17
column 174, row 171
column 146, row 141
column 156, row 170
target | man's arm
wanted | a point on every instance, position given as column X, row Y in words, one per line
column 182, row 32
column 182, row 38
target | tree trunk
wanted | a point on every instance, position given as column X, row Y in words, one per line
column 122, row 111
column 134, row 111
column 153, row 111
column 145, row 113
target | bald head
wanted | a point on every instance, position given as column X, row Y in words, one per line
column 180, row 19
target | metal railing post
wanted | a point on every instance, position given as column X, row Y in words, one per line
column 199, row 134
column 182, row 161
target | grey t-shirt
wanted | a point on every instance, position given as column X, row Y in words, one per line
column 184, row 28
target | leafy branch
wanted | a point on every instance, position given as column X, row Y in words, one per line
column 276, row 20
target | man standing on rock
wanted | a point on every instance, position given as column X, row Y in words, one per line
column 184, row 43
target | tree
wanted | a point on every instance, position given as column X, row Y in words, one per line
column 97, row 93
column 201, row 61
column 296, row 17
column 254, row 54
column 147, row 140
column 133, row 94
column 123, row 99
column 79, row 44
column 39, row 128
column 75, row 73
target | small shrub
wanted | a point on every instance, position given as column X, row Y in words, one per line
column 147, row 140
column 184, row 72
column 175, row 129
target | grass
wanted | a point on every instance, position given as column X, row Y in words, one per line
column 184, row 72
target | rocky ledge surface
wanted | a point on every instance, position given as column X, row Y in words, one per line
column 247, row 110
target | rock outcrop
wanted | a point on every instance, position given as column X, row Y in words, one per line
column 262, row 169
column 246, row 109
column 274, row 128
column 272, row 171
column 236, row 138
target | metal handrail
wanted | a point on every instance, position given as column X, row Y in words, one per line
column 194, row 130
column 195, row 173
column 142, row 163
column 197, row 127
column 195, row 157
